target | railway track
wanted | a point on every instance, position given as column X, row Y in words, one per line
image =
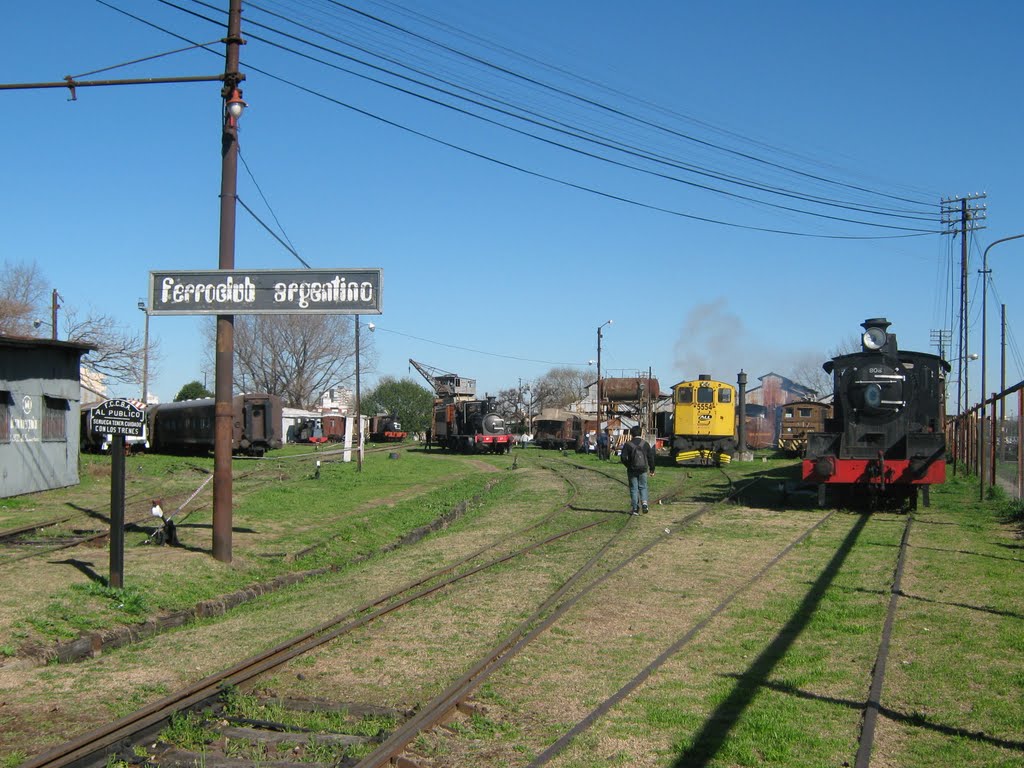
column 94, row 747
column 89, row 748
column 623, row 548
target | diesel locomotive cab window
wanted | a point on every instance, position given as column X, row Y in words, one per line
column 684, row 395
column 705, row 395
column 725, row 395
column 55, row 411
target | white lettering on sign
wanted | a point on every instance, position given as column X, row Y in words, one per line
column 226, row 291
column 336, row 291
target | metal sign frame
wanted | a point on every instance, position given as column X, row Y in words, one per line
column 117, row 417
column 266, row 292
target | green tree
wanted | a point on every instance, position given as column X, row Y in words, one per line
column 404, row 399
column 192, row 391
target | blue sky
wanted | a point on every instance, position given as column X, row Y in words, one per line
column 492, row 270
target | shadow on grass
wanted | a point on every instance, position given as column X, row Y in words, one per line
column 624, row 510
column 95, row 514
column 83, row 567
column 914, row 720
column 969, row 553
column 966, row 606
column 709, row 740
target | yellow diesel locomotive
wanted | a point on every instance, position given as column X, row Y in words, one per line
column 704, row 422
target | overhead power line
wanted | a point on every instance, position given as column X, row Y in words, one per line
column 614, row 110
column 563, row 128
column 537, row 174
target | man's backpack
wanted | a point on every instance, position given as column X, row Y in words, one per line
column 638, row 457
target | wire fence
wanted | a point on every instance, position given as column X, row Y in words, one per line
column 985, row 442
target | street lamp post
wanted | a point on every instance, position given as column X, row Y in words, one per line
column 145, row 356
column 984, row 363
column 602, row 325
column 54, row 306
column 359, row 409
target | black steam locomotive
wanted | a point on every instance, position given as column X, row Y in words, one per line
column 471, row 426
column 885, row 438
column 386, row 429
column 188, row 426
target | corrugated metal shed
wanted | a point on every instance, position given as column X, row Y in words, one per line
column 39, row 414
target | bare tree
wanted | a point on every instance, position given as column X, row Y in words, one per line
column 560, row 387
column 118, row 352
column 22, row 297
column 298, row 356
column 808, row 370
column 23, row 300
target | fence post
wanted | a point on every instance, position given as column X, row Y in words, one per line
column 992, row 446
column 1020, row 453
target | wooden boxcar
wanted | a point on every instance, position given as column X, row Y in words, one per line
column 558, row 429
column 799, row 419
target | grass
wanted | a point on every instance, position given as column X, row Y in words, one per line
column 342, row 519
column 782, row 680
column 779, row 679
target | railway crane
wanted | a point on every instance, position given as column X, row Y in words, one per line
column 461, row 421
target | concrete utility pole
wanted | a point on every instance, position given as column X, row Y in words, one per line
column 961, row 219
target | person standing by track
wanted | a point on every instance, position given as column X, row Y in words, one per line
column 638, row 457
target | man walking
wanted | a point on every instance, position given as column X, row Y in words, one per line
column 638, row 457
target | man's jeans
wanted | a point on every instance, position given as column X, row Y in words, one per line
column 638, row 489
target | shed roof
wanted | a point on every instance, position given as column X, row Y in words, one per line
column 26, row 342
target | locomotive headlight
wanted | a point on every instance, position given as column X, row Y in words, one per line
column 873, row 338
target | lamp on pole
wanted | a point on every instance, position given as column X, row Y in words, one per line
column 225, row 349
column 984, row 360
column 602, row 325
column 145, row 356
column 359, row 410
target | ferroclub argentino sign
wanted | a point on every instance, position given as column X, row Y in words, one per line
column 266, row 292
